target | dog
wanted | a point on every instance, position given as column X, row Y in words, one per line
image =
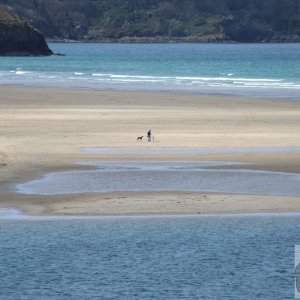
column 140, row 138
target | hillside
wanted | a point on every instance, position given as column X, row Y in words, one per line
column 163, row 20
column 18, row 37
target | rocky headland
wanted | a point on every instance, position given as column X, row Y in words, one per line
column 18, row 37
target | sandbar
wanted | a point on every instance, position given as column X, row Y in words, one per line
column 45, row 129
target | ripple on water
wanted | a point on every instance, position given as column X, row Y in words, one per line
column 219, row 257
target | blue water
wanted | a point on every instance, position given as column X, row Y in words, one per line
column 187, row 176
column 213, row 257
column 271, row 70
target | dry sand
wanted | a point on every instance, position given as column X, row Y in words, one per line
column 42, row 129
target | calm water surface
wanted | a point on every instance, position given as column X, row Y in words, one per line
column 188, row 176
column 215, row 257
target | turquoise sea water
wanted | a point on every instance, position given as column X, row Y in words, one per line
column 271, row 70
column 200, row 257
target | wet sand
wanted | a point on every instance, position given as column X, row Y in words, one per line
column 43, row 129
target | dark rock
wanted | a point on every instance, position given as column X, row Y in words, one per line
column 18, row 38
column 247, row 31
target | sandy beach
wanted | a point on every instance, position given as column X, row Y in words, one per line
column 43, row 129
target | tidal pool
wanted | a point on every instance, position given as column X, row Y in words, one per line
column 186, row 176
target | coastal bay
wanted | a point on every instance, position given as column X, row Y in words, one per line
column 151, row 170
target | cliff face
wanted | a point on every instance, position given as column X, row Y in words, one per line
column 18, row 38
column 162, row 20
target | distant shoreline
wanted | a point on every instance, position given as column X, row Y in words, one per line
column 133, row 40
column 285, row 94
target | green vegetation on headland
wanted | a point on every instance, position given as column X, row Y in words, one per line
column 163, row 20
column 18, row 38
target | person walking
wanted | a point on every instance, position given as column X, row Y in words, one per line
column 149, row 135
